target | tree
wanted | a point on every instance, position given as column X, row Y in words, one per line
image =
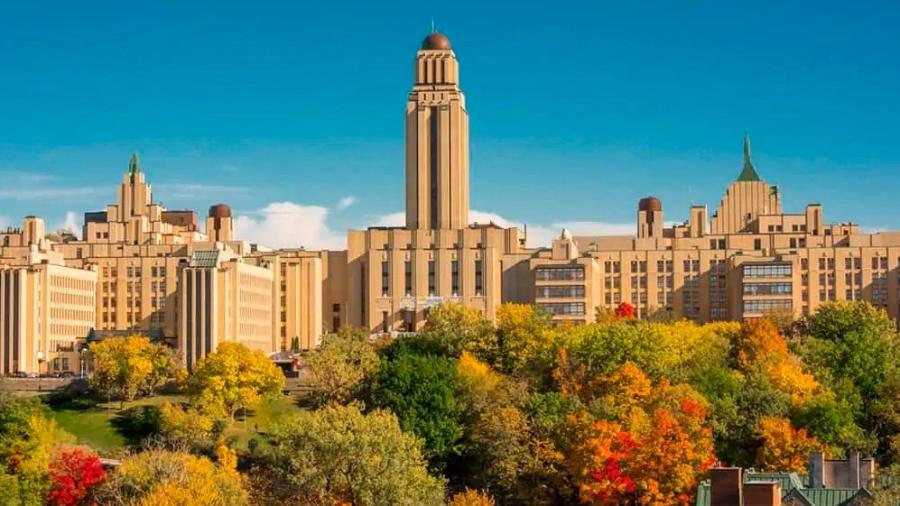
column 453, row 328
column 782, row 447
column 338, row 455
column 760, row 346
column 854, row 348
column 157, row 477
column 28, row 435
column 522, row 331
column 234, row 377
column 187, row 426
column 470, row 497
column 625, row 311
column 425, row 394
column 341, row 363
column 126, row 367
column 651, row 444
column 75, row 474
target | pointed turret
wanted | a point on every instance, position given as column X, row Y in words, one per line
column 748, row 173
column 134, row 165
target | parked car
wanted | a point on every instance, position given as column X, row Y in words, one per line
column 68, row 374
column 19, row 374
column 31, row 375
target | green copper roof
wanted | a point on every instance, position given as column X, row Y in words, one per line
column 749, row 172
column 134, row 165
column 832, row 496
column 792, row 486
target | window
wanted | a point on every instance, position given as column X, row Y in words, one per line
column 768, row 289
column 385, row 321
column 454, row 277
column 757, row 244
column 407, row 278
column 564, row 308
column 432, row 282
column 558, row 273
column 479, row 275
column 767, row 271
column 763, row 306
column 385, row 278
column 560, row 292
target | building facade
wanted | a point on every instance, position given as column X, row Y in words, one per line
column 46, row 311
column 165, row 274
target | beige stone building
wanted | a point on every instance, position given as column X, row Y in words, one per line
column 165, row 274
column 224, row 299
column 46, row 312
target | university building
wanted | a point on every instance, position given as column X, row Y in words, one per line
column 142, row 268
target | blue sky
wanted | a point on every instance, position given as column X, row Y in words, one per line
column 292, row 112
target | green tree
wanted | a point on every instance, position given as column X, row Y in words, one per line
column 853, row 347
column 338, row 455
column 424, row 393
column 234, row 377
column 453, row 328
column 343, row 360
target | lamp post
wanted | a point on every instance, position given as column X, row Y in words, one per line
column 40, row 360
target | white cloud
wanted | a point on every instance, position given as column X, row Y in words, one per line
column 346, row 202
column 289, row 225
column 539, row 234
column 390, row 220
column 70, row 224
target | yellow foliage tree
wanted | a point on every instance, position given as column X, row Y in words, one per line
column 782, row 447
column 234, row 377
column 166, row 478
column 126, row 367
column 470, row 497
column 761, row 346
column 522, row 331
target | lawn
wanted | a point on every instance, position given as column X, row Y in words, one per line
column 99, row 424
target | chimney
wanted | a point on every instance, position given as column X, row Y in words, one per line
column 762, row 493
column 853, row 469
column 725, row 486
column 817, row 470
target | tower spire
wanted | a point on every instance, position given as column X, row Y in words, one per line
column 748, row 173
column 134, row 165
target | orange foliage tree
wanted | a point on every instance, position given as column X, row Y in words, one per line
column 652, row 449
column 782, row 447
column 761, row 346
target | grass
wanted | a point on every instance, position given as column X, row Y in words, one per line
column 260, row 420
column 101, row 426
column 97, row 424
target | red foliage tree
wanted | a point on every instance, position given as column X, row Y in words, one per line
column 624, row 310
column 74, row 474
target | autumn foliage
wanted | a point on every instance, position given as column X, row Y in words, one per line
column 782, row 447
column 653, row 447
column 624, row 311
column 74, row 474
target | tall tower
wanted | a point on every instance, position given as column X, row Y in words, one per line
column 745, row 200
column 437, row 141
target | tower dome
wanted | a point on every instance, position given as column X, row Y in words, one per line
column 220, row 211
column 650, row 204
column 436, row 40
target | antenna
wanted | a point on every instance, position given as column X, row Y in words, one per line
column 432, row 24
